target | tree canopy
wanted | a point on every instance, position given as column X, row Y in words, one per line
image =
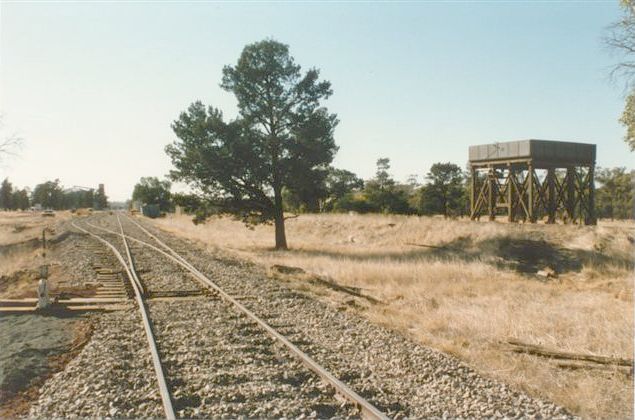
column 282, row 138
column 621, row 39
column 6, row 194
column 614, row 197
column 445, row 193
column 151, row 190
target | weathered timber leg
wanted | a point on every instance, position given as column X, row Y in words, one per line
column 530, row 193
column 510, row 194
column 551, row 195
column 570, row 187
column 491, row 194
column 473, row 186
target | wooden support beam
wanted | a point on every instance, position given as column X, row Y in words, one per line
column 491, row 194
column 473, row 184
column 510, row 194
column 530, row 193
column 522, row 192
column 570, row 194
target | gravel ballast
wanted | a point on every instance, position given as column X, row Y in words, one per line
column 399, row 376
column 220, row 364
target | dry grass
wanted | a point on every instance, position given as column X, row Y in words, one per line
column 20, row 252
column 479, row 290
column 16, row 227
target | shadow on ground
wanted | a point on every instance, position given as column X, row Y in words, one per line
column 503, row 252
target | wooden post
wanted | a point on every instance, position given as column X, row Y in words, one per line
column 530, row 192
column 551, row 195
column 44, row 243
column 491, row 193
column 510, row 194
column 473, row 185
column 570, row 186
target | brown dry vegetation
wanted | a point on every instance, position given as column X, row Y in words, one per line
column 20, row 252
column 477, row 287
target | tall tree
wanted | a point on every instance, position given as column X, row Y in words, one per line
column 628, row 121
column 101, row 200
column 49, row 195
column 6, row 195
column 382, row 177
column 151, row 190
column 20, row 199
column 383, row 194
column 340, row 182
column 621, row 39
column 445, row 192
column 614, row 197
column 282, row 138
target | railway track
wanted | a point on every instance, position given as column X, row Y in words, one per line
column 119, row 243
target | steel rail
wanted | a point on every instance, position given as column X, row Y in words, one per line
column 157, row 240
column 166, row 397
column 130, row 260
column 183, row 263
column 367, row 410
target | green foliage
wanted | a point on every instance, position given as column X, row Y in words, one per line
column 353, row 201
column 621, row 39
column 340, row 185
column 13, row 199
column 383, row 195
column 306, row 196
column 101, row 200
column 382, row 177
column 614, row 197
column 628, row 120
column 20, row 199
column 6, row 195
column 79, row 198
column 49, row 195
column 282, row 138
column 445, row 193
column 387, row 200
column 151, row 190
column 193, row 204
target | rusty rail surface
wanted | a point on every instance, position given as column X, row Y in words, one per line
column 166, row 397
column 367, row 410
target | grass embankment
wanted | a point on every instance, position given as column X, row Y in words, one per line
column 464, row 287
column 21, row 253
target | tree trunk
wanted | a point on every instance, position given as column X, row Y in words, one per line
column 281, row 237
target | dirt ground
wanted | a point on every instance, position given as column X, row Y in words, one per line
column 468, row 288
column 21, row 254
column 32, row 348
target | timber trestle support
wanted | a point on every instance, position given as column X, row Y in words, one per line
column 530, row 191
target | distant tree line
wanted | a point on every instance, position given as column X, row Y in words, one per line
column 51, row 195
column 445, row 192
column 151, row 190
column 614, row 197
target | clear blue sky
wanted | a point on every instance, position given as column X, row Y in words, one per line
column 93, row 88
